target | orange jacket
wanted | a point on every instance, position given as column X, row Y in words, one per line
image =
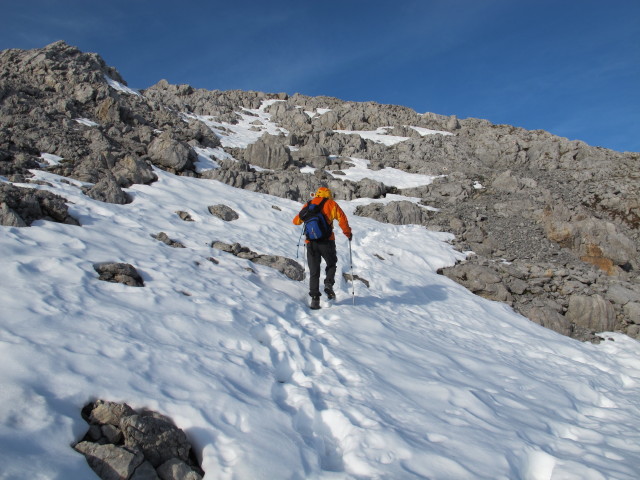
column 331, row 211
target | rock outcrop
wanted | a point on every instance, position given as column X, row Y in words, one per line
column 20, row 207
column 284, row 265
column 124, row 444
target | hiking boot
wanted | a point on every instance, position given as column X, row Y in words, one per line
column 330, row 293
column 315, row 303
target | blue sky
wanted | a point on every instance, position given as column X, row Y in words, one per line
column 571, row 67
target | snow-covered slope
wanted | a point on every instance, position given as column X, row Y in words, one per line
column 417, row 379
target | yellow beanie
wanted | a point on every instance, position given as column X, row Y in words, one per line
column 323, row 192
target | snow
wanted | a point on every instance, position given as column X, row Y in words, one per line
column 381, row 134
column 419, row 379
column 50, row 159
column 316, row 112
column 427, row 131
column 87, row 122
column 207, row 158
column 391, row 177
column 121, row 87
column 253, row 123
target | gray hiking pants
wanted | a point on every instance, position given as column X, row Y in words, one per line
column 316, row 251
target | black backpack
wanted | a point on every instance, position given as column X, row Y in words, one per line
column 316, row 226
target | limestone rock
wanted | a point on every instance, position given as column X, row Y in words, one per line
column 591, row 312
column 22, row 206
column 175, row 469
column 119, row 273
column 107, row 190
column 396, row 213
column 632, row 311
column 164, row 238
column 111, row 462
column 124, row 444
column 9, row 218
column 132, row 170
column 156, row 438
column 107, row 413
column 284, row 265
column 168, row 152
column 185, row 216
column 550, row 318
column 223, row 212
column 268, row 152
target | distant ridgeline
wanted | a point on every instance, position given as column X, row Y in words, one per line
column 554, row 224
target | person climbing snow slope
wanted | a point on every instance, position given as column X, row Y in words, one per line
column 323, row 244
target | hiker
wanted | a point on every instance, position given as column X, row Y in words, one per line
column 325, row 246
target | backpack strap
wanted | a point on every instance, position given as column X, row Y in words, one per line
column 320, row 205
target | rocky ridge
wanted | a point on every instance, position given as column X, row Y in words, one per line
column 554, row 224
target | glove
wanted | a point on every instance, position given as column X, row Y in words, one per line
column 350, row 236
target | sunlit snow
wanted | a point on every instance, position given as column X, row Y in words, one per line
column 120, row 87
column 381, row 134
column 253, row 123
column 391, row 177
column 86, row 122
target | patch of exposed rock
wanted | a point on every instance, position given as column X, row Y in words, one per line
column 576, row 299
column 164, row 238
column 396, row 213
column 124, row 273
column 20, row 207
column 125, row 444
column 284, row 265
column 223, row 212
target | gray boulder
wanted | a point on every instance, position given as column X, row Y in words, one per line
column 108, row 413
column 312, row 154
column 367, row 188
column 111, row 462
column 396, row 213
column 175, row 469
column 632, row 311
column 164, row 238
column 550, row 318
column 107, row 190
column 124, row 444
column 9, row 218
column 268, row 152
column 184, row 216
column 22, row 206
column 119, row 273
column 157, row 438
column 621, row 295
column 169, row 153
column 284, row 265
column 223, row 212
column 445, row 190
column 133, row 170
column 592, row 312
column 480, row 280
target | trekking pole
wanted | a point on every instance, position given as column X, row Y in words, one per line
column 353, row 280
column 298, row 249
